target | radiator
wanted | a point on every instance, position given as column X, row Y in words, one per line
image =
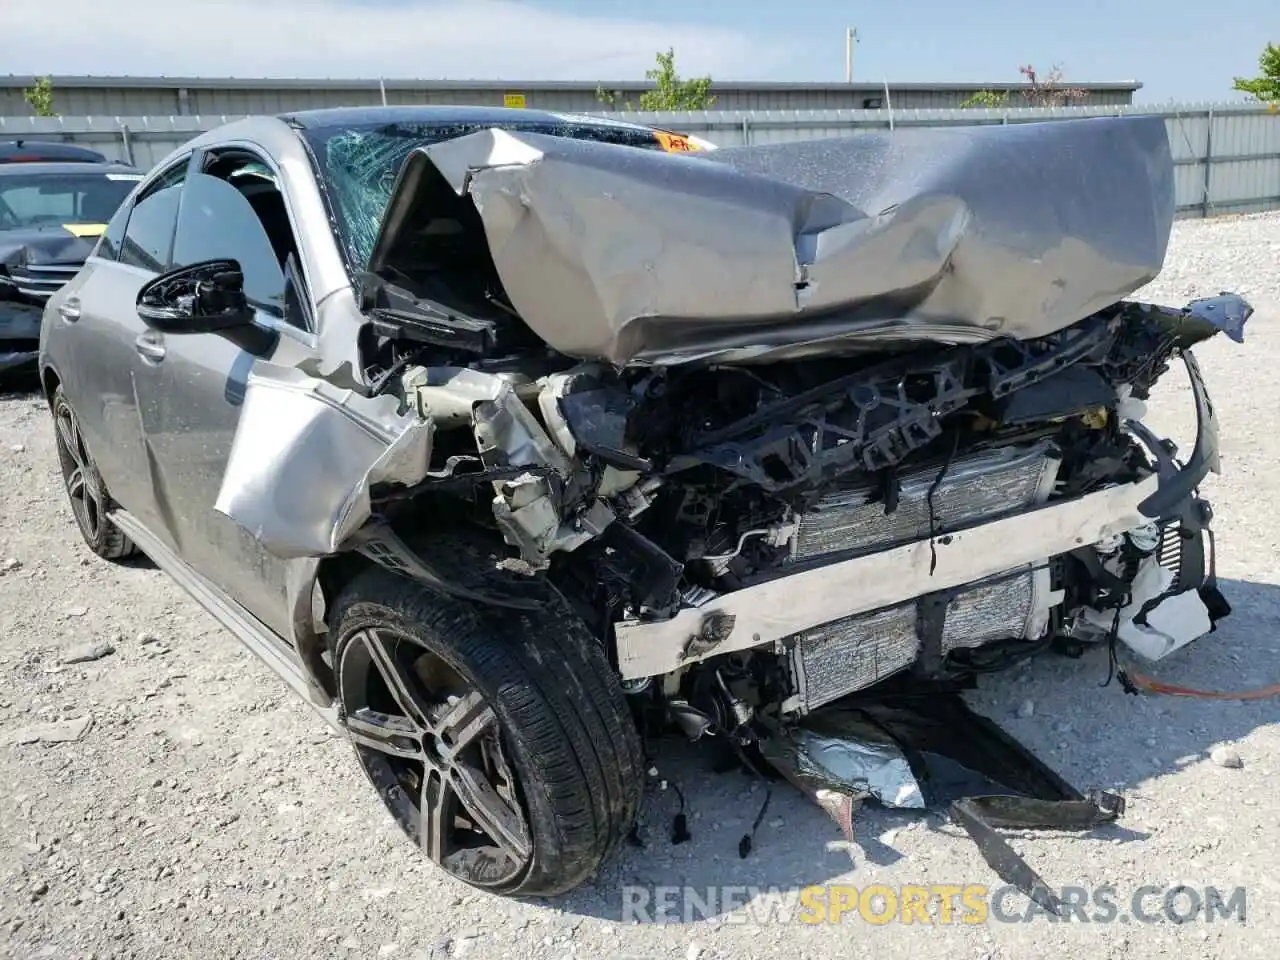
column 1169, row 551
column 844, row 656
column 974, row 489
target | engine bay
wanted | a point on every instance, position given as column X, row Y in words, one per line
column 646, row 493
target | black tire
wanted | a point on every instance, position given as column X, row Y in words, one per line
column 88, row 496
column 557, row 713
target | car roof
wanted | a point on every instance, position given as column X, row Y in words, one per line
column 443, row 115
column 67, row 168
column 27, row 150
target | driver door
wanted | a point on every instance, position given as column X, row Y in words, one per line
column 190, row 389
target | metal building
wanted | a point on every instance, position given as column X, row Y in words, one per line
column 139, row 96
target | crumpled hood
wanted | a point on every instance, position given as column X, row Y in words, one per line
column 808, row 248
column 70, row 243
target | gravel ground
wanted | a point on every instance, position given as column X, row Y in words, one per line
column 207, row 813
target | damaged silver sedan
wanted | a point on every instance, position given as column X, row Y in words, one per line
column 505, row 437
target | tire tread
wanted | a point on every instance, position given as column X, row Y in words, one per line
column 573, row 740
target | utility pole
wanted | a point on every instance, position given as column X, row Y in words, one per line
column 850, row 38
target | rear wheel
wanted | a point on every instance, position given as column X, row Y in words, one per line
column 498, row 739
column 83, row 483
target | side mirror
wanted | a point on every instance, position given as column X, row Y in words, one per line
column 202, row 298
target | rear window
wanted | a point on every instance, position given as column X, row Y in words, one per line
column 53, row 199
column 359, row 165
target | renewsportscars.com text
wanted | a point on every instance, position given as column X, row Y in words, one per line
column 930, row 904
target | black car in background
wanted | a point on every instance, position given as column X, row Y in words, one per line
column 55, row 201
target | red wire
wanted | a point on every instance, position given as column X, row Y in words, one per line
column 1152, row 685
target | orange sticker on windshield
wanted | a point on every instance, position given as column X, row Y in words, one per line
column 675, row 143
column 85, row 229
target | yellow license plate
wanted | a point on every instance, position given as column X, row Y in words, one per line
column 85, row 229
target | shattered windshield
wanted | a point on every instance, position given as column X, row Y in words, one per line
column 359, row 165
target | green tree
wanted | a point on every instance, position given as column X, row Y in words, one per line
column 672, row 93
column 1266, row 86
column 987, row 98
column 41, row 97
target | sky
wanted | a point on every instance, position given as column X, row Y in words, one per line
column 1179, row 49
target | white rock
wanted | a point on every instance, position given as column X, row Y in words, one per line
column 1026, row 709
column 695, row 951
column 62, row 731
column 88, row 652
column 1226, row 757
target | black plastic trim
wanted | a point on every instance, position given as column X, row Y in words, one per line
column 1177, row 486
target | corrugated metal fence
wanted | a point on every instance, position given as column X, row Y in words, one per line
column 1227, row 155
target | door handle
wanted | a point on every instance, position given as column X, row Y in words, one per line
column 150, row 347
column 69, row 309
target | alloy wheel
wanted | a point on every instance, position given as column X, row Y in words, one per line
column 433, row 747
column 79, row 475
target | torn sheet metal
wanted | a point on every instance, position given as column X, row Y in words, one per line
column 533, row 509
column 305, row 455
column 954, row 235
column 1227, row 312
column 951, row 758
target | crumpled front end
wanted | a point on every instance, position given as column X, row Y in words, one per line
column 754, row 540
column 934, row 511
column 807, row 248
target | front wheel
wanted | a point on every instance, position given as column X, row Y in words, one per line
column 499, row 740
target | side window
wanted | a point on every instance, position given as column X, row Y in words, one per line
column 218, row 222
column 148, row 238
column 109, row 243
